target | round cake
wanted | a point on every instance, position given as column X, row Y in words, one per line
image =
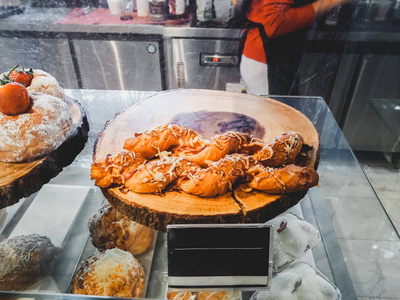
column 43, row 128
column 109, row 229
column 114, row 272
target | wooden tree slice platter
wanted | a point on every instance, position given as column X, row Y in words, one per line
column 208, row 113
column 18, row 180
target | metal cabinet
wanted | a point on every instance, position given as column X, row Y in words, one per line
column 119, row 62
column 46, row 51
column 202, row 63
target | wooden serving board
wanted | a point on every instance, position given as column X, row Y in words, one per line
column 208, row 113
column 18, row 180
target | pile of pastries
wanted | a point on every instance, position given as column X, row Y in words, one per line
column 115, row 269
column 173, row 157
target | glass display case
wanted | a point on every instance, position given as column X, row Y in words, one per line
column 359, row 247
column 107, row 64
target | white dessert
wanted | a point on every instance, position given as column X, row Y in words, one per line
column 292, row 238
column 300, row 281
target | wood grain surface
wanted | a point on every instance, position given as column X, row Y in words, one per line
column 208, row 113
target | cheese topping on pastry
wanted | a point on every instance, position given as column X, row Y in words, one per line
column 113, row 272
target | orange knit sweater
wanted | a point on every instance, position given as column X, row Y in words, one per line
column 278, row 17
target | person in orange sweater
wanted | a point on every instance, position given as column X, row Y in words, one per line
column 276, row 31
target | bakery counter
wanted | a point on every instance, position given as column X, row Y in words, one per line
column 62, row 20
column 358, row 249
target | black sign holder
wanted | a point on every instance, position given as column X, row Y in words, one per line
column 219, row 257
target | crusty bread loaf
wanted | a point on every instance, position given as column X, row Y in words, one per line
column 42, row 129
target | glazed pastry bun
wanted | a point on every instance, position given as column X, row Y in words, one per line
column 114, row 272
column 109, row 229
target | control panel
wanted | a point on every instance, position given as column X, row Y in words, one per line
column 222, row 60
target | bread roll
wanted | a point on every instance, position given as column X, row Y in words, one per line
column 24, row 260
column 109, row 229
column 114, row 272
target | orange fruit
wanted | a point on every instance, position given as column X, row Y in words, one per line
column 21, row 77
column 14, row 99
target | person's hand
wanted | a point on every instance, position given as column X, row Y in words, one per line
column 323, row 6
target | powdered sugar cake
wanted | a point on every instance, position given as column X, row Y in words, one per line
column 33, row 134
column 20, row 179
column 208, row 113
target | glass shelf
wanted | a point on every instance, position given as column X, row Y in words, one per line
column 358, row 252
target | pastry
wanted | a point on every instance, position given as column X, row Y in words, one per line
column 206, row 168
column 42, row 129
column 116, row 169
column 24, row 260
column 181, row 296
column 292, row 238
column 35, row 80
column 154, row 176
column 109, row 229
column 288, row 179
column 299, row 282
column 205, row 295
column 217, row 148
column 219, row 295
column 281, row 151
column 114, row 272
column 161, row 139
column 218, row 178
column 182, row 141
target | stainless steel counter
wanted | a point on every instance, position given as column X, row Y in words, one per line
column 44, row 20
column 359, row 251
column 36, row 19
